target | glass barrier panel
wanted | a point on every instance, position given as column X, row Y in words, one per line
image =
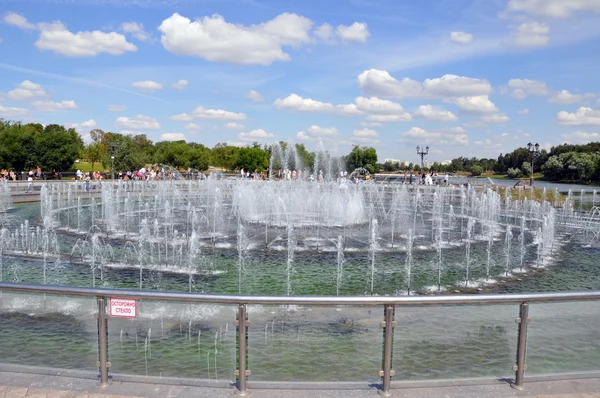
column 563, row 337
column 452, row 342
column 171, row 339
column 311, row 343
column 48, row 330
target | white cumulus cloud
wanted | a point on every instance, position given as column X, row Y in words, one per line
column 180, row 84
column 476, row 104
column 57, row 38
column 216, row 114
column 358, row 31
column 553, row 8
column 147, row 85
column 255, row 135
column 18, row 20
column 296, row 103
column 9, row 112
column 531, row 34
column 214, row 39
column 254, row 96
column 580, row 138
column 172, row 137
column 234, row 126
column 136, row 30
column 27, row 90
column 436, row 114
column 566, row 97
column 524, row 111
column 461, row 37
column 51, row 106
column 525, row 87
column 582, row 117
column 139, row 122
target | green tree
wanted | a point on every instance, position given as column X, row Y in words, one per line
column 553, row 168
column 365, row 157
column 250, row 159
column 17, row 146
column 225, row 156
column 476, row 170
column 57, row 148
column 94, row 152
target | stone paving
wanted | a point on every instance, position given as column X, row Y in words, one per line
column 42, row 386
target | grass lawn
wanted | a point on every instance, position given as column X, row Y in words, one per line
column 86, row 166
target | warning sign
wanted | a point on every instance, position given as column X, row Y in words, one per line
column 122, row 308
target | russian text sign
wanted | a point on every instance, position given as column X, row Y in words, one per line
column 122, row 308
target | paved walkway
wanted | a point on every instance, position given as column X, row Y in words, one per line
column 42, row 386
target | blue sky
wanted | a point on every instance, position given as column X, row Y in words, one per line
column 466, row 77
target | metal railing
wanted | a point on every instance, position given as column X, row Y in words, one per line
column 388, row 303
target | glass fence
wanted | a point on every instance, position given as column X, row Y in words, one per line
column 372, row 340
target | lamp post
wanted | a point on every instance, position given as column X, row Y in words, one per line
column 113, row 147
column 534, row 152
column 422, row 152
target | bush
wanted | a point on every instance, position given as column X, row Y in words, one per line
column 514, row 173
column 476, row 170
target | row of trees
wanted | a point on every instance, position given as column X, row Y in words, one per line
column 54, row 147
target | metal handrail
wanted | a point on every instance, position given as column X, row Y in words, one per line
column 242, row 301
column 450, row 299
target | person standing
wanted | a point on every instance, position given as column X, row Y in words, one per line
column 29, row 183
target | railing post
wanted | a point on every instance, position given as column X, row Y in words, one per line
column 520, row 367
column 388, row 340
column 102, row 363
column 242, row 330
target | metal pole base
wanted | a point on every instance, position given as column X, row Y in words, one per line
column 239, row 393
column 516, row 387
column 384, row 393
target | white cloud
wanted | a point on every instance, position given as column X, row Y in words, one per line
column 294, row 102
column 582, row 117
column 84, row 128
column 50, row 106
column 356, row 32
column 172, row 137
column 57, row 38
column 381, row 83
column 371, row 124
column 117, row 108
column 87, row 125
column 214, row 39
column 139, row 122
column 524, row 111
column 553, row 8
column 147, row 85
column 477, row 104
column 255, row 135
column 456, row 86
column 216, row 114
column 254, row 96
column 180, row 84
column 524, row 87
column 378, row 105
column 136, row 30
column 192, row 127
column 365, row 135
column 182, row 117
column 433, row 113
column 453, row 136
column 403, row 117
column 324, row 32
column 566, row 97
column 234, row 126
column 317, row 131
column 18, row 20
column 461, row 37
column 531, row 34
column 13, row 112
column 580, row 137
column 27, row 90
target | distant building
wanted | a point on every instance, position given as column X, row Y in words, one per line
column 392, row 161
